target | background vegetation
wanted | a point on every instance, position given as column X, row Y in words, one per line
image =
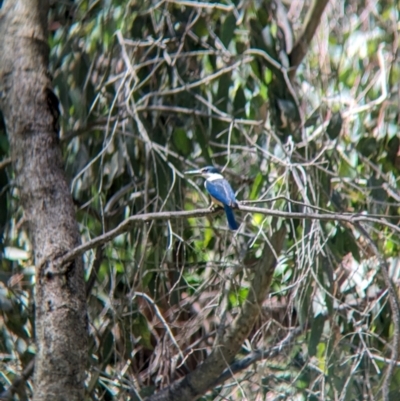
column 151, row 89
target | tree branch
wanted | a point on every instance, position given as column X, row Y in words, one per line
column 310, row 26
column 5, row 162
column 130, row 222
column 395, row 309
column 256, row 356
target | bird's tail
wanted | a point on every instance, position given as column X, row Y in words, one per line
column 231, row 218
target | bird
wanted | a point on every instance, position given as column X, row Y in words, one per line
column 220, row 191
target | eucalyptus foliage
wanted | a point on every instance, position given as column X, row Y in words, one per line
column 150, row 89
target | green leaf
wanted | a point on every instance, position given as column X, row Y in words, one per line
column 255, row 189
column 367, row 146
column 236, row 298
column 181, row 141
column 140, row 330
column 4, row 145
column 240, row 104
column 222, row 96
column 334, row 126
column 317, row 328
column 228, row 29
column 108, row 343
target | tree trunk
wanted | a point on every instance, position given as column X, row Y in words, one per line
column 30, row 110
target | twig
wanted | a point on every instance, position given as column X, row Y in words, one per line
column 5, row 162
column 160, row 316
column 206, row 80
column 8, row 394
column 258, row 355
column 193, row 112
column 385, row 360
column 202, row 4
column 95, row 269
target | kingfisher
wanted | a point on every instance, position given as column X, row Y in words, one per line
column 220, row 191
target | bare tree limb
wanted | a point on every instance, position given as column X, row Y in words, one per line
column 310, row 26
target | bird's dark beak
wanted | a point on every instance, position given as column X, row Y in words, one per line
column 193, row 172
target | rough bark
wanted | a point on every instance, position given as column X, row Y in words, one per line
column 30, row 110
column 228, row 344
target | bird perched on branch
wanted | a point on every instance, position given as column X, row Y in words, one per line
column 220, row 191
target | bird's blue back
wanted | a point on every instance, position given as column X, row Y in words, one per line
column 221, row 191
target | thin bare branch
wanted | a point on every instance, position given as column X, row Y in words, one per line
column 160, row 316
column 193, row 112
column 5, row 162
column 202, row 4
column 258, row 355
column 204, row 81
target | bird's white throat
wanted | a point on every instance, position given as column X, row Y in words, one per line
column 214, row 176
